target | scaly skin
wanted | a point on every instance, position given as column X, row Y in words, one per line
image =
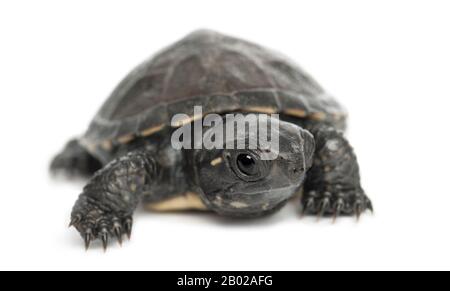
column 333, row 185
column 106, row 206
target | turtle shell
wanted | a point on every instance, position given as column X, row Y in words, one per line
column 215, row 71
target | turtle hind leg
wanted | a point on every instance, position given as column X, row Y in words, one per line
column 332, row 187
column 75, row 161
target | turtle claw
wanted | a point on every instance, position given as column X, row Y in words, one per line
column 75, row 220
column 323, row 207
column 334, row 205
column 118, row 233
column 338, row 209
column 98, row 225
column 129, row 227
column 104, row 237
column 308, row 207
column 87, row 239
column 370, row 206
column 358, row 209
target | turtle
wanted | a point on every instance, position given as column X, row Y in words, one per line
column 129, row 157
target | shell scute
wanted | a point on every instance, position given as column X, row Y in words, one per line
column 220, row 73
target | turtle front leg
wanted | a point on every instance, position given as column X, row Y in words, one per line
column 332, row 186
column 106, row 206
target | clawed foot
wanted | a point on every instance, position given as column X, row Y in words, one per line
column 94, row 223
column 328, row 204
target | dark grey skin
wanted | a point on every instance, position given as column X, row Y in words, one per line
column 129, row 157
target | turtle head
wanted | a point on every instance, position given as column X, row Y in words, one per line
column 252, row 182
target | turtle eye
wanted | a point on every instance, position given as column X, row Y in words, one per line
column 247, row 165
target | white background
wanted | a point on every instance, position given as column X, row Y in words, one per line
column 388, row 62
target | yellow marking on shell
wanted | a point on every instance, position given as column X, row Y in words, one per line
column 152, row 130
column 296, row 112
column 106, row 145
column 187, row 121
column 239, row 205
column 126, row 138
column 318, row 116
column 187, row 201
column 339, row 116
column 91, row 147
column 216, row 162
column 258, row 109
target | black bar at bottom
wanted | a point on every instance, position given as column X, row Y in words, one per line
column 223, row 280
